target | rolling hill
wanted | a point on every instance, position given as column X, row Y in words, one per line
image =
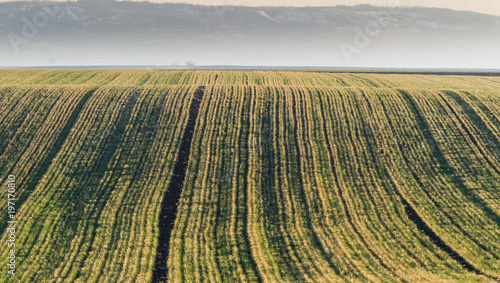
column 253, row 176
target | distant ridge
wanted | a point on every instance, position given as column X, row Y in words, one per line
column 109, row 33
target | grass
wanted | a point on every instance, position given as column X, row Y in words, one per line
column 292, row 176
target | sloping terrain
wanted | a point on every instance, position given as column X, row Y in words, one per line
column 255, row 176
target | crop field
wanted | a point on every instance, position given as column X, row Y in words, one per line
column 249, row 176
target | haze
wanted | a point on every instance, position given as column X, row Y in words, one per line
column 108, row 33
column 480, row 6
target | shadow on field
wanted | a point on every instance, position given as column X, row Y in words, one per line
column 35, row 177
column 447, row 169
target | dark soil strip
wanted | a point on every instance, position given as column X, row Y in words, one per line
column 445, row 169
column 422, row 226
column 368, row 132
column 410, row 211
column 172, row 195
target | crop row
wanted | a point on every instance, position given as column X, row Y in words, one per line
column 322, row 179
column 93, row 216
column 292, row 176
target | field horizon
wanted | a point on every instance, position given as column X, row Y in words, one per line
column 410, row 71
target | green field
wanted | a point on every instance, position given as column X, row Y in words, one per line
column 279, row 176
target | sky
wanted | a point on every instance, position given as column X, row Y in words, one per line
column 480, row 6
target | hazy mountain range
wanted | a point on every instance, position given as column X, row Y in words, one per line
column 135, row 33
